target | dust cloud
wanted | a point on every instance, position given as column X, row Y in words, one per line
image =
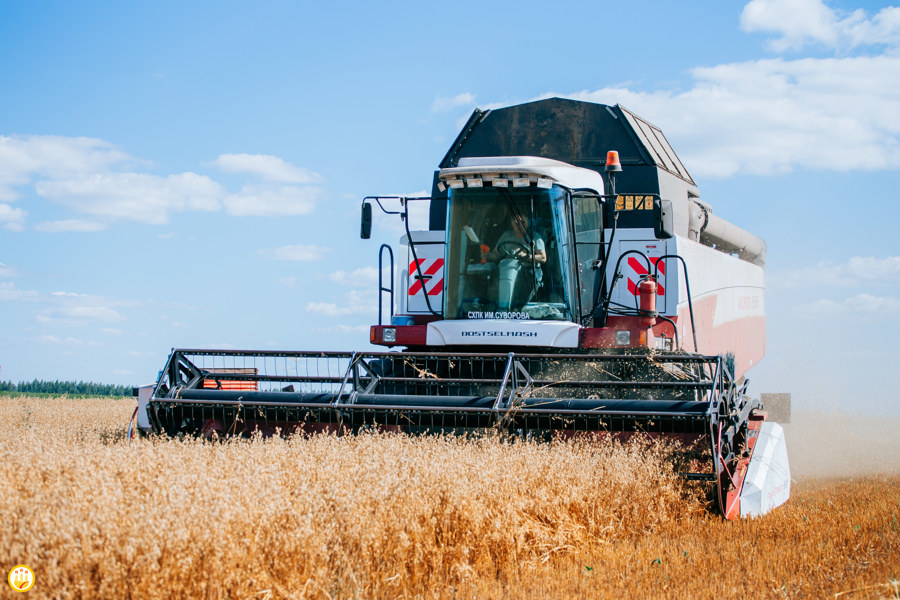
column 835, row 444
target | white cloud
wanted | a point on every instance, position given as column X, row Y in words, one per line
column 346, row 329
column 328, row 309
column 772, row 116
column 68, row 308
column 269, row 168
column 62, row 308
column 775, row 115
column 67, row 225
column 300, row 253
column 90, row 177
column 442, row 104
column 9, row 291
column 362, row 277
column 270, row 201
column 8, row 271
column 861, row 306
column 172, row 322
column 803, row 22
column 134, row 197
column 23, row 157
column 354, row 303
column 78, row 315
column 856, row 271
column 143, row 353
column 11, row 218
column 61, row 294
column 52, row 339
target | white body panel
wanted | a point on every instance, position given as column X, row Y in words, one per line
column 728, row 302
column 728, row 294
column 633, row 266
column 739, row 285
column 768, row 481
column 411, row 292
column 503, row 332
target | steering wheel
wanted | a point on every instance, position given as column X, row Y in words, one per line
column 512, row 248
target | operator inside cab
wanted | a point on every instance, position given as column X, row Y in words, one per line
column 518, row 248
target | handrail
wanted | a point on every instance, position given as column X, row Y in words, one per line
column 381, row 288
column 687, row 287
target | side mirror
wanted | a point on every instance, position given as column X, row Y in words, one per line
column 365, row 231
column 663, row 219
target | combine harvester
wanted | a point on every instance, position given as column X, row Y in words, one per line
column 571, row 280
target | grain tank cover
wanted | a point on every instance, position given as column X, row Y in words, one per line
column 575, row 132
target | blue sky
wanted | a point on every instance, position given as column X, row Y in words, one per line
column 189, row 174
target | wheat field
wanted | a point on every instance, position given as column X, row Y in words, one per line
column 389, row 516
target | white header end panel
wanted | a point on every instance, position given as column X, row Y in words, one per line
column 768, row 481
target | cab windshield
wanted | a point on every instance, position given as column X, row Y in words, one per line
column 506, row 254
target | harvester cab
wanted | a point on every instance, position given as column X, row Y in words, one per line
column 522, row 261
column 570, row 281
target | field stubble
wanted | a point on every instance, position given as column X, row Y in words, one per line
column 386, row 516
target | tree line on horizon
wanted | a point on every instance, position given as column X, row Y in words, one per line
column 65, row 387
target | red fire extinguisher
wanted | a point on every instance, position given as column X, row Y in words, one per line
column 647, row 300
